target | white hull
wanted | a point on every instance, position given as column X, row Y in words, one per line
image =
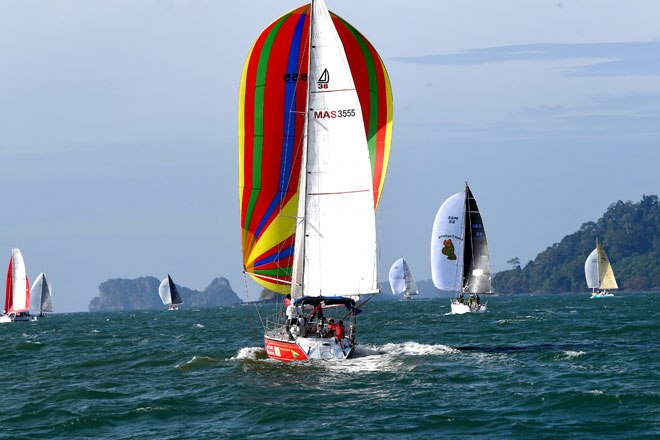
column 460, row 308
column 13, row 318
column 25, row 318
column 601, row 295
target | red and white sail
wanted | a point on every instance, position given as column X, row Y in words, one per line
column 17, row 298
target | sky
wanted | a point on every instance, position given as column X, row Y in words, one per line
column 118, row 128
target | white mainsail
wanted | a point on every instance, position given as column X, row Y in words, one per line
column 335, row 248
column 447, row 244
column 43, row 289
column 168, row 292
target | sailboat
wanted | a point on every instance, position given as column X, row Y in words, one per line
column 315, row 120
column 401, row 279
column 599, row 273
column 17, row 295
column 460, row 260
column 42, row 287
column 169, row 294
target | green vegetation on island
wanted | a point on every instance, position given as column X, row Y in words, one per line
column 630, row 234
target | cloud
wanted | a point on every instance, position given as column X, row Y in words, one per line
column 618, row 59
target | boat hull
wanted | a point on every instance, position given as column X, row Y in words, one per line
column 25, row 318
column 302, row 348
column 601, row 295
column 461, row 308
column 20, row 318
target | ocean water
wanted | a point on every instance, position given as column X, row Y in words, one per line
column 542, row 367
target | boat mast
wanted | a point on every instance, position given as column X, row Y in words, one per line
column 298, row 284
column 465, row 237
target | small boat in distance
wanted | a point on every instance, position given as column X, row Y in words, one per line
column 169, row 294
column 599, row 274
column 460, row 260
column 42, row 286
column 401, row 279
column 17, row 295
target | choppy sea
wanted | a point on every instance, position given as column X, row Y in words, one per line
column 541, row 367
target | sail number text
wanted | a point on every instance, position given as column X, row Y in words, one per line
column 293, row 77
column 347, row 113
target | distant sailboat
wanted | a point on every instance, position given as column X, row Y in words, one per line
column 599, row 273
column 17, row 296
column 42, row 287
column 401, row 279
column 460, row 260
column 169, row 294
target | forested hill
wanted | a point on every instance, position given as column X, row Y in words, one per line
column 630, row 234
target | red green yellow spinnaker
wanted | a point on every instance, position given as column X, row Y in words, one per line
column 271, row 119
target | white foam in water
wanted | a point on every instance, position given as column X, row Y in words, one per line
column 196, row 361
column 249, row 353
column 572, row 354
column 199, row 326
column 95, row 331
column 412, row 348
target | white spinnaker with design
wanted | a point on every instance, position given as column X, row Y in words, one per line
column 335, row 248
column 168, row 292
column 447, row 241
column 20, row 296
column 41, row 289
column 398, row 277
column 591, row 270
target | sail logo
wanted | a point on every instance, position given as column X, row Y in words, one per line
column 452, row 219
column 449, row 250
column 324, row 80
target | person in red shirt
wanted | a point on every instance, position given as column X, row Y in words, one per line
column 287, row 301
column 332, row 328
column 339, row 330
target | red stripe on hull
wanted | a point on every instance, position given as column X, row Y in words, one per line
column 284, row 351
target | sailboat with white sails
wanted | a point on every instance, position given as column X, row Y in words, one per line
column 460, row 260
column 313, row 237
column 43, row 288
column 17, row 295
column 169, row 294
column 599, row 274
column 401, row 280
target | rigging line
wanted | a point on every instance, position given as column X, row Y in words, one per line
column 254, row 336
column 358, row 306
column 247, row 290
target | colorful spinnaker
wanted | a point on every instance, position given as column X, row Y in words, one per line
column 17, row 296
column 272, row 107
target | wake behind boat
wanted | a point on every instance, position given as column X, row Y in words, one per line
column 599, row 274
column 460, row 260
column 314, row 135
column 17, row 294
